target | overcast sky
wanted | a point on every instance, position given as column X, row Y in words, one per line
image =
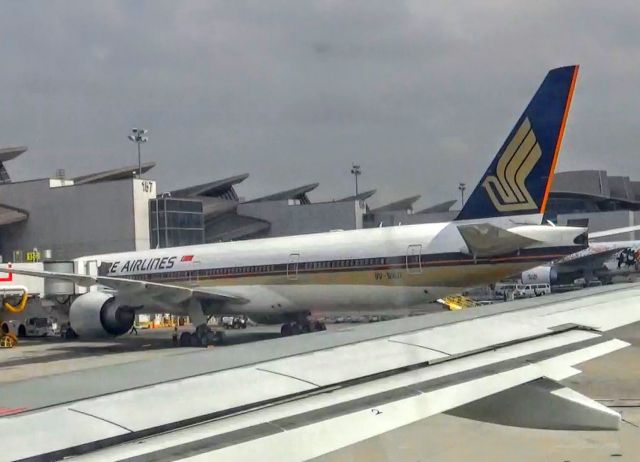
column 420, row 93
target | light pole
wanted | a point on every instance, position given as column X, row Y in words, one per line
column 356, row 171
column 139, row 137
column 462, row 187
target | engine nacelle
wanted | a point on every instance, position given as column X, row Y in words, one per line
column 539, row 275
column 95, row 314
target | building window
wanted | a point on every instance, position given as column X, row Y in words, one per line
column 175, row 222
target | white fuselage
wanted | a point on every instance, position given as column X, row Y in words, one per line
column 367, row 269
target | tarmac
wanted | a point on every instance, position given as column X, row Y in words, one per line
column 613, row 379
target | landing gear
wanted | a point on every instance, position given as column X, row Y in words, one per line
column 303, row 326
column 185, row 339
column 204, row 335
column 285, row 330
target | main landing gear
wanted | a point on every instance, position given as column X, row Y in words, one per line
column 203, row 335
column 302, row 326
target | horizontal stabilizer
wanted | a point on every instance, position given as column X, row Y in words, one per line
column 543, row 404
column 486, row 240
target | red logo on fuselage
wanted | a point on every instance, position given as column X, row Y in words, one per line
column 9, row 277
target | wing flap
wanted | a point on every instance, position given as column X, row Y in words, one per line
column 543, row 404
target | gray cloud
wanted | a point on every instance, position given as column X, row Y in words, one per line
column 421, row 94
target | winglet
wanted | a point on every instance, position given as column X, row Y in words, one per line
column 519, row 179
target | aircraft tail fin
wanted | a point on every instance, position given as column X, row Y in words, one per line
column 519, row 179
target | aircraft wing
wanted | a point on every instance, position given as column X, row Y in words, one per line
column 132, row 288
column 592, row 259
column 297, row 398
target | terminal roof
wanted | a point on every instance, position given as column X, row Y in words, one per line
column 358, row 197
column 5, row 155
column 299, row 193
column 438, row 208
column 402, row 204
column 10, row 215
column 232, row 227
column 11, row 153
column 219, row 188
column 593, row 190
column 113, row 174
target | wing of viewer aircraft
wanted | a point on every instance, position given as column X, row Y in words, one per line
column 297, row 398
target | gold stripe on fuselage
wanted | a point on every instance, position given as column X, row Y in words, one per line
column 447, row 276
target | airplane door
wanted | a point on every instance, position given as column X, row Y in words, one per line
column 414, row 263
column 292, row 266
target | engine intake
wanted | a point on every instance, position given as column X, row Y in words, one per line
column 95, row 314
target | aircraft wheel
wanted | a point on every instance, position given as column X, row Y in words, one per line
column 286, row 330
column 212, row 338
column 295, row 329
column 218, row 338
column 195, row 340
column 306, row 328
column 185, row 339
column 319, row 326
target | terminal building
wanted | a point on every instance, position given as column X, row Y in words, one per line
column 606, row 201
column 63, row 218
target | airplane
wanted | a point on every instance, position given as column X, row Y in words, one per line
column 282, row 280
column 294, row 399
column 601, row 261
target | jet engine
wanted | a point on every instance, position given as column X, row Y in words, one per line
column 95, row 314
column 539, row 275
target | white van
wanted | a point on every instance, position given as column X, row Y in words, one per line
column 41, row 327
column 531, row 290
column 502, row 288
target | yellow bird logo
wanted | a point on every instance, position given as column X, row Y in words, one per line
column 506, row 189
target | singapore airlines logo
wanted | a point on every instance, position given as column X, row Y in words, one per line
column 506, row 189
